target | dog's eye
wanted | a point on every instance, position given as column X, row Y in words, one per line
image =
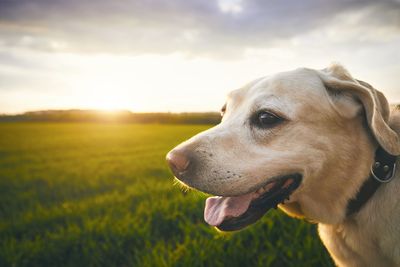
column 267, row 119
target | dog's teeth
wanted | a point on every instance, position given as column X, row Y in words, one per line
column 268, row 186
column 265, row 188
column 260, row 191
column 287, row 183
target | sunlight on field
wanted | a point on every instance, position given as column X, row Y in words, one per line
column 101, row 195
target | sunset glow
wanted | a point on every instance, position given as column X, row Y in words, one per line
column 137, row 59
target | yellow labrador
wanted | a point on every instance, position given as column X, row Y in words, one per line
column 317, row 143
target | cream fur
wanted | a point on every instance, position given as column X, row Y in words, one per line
column 333, row 125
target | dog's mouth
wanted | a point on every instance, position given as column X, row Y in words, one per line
column 235, row 213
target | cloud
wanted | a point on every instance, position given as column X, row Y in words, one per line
column 214, row 28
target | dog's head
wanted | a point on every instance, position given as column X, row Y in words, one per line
column 303, row 139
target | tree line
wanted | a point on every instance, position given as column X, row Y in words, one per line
column 123, row 116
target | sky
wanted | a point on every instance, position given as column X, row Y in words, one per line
column 183, row 55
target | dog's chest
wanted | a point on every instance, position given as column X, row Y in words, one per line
column 372, row 237
column 349, row 246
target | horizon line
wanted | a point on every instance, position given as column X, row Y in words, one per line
column 102, row 111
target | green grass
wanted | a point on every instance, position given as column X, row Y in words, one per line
column 102, row 195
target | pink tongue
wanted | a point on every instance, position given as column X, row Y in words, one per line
column 219, row 208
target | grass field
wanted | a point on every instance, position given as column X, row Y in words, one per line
column 101, row 195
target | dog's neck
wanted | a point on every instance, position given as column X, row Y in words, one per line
column 382, row 171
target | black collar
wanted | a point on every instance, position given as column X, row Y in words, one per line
column 382, row 171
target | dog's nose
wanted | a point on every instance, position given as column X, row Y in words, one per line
column 177, row 161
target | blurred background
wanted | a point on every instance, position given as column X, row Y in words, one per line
column 94, row 93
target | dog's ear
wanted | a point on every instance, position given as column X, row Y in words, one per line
column 350, row 96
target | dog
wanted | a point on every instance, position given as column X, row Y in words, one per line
column 318, row 144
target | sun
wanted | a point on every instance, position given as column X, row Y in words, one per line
column 106, row 98
column 108, row 101
column 147, row 83
column 105, row 85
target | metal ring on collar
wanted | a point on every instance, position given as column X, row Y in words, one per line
column 387, row 180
